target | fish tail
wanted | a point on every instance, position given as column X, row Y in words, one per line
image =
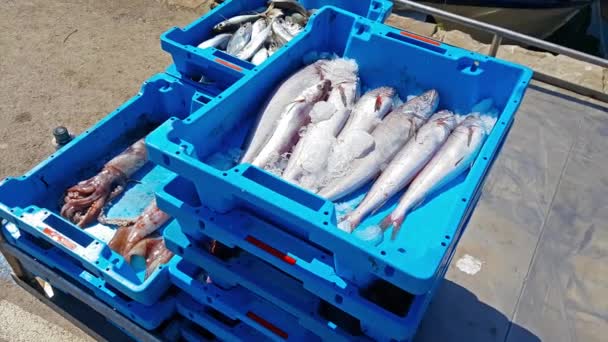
column 350, row 222
column 397, row 223
column 119, row 241
column 386, row 222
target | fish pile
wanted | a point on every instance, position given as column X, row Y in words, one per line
column 256, row 36
column 84, row 203
column 318, row 132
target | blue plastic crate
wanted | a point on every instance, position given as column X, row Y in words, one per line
column 32, row 202
column 224, row 328
column 293, row 295
column 255, row 200
column 238, row 303
column 215, row 64
column 147, row 316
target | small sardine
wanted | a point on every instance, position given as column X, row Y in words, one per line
column 411, row 115
column 257, row 27
column 256, row 42
column 220, row 41
column 309, row 157
column 280, row 32
column 240, row 39
column 452, row 159
column 295, row 116
column 260, row 56
column 405, row 165
column 235, row 22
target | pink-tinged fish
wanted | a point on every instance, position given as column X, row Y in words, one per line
column 452, row 159
column 295, row 117
column 149, row 221
column 369, row 110
column 153, row 250
column 352, row 167
column 405, row 165
column 337, row 71
column 84, row 201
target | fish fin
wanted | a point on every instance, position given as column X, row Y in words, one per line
column 470, row 137
column 353, row 220
column 459, row 161
column 119, row 241
column 397, row 227
column 342, row 95
column 378, row 104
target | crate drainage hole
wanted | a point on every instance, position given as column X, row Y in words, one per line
column 383, row 252
column 443, row 244
column 401, row 250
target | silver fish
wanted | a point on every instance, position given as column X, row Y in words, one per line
column 405, row 165
column 280, row 32
column 411, row 114
column 292, row 28
column 256, row 42
column 454, row 158
column 257, row 27
column 344, row 95
column 370, row 109
column 294, row 117
column 240, row 39
column 297, row 18
column 333, row 70
column 220, row 41
column 235, row 22
column 309, row 157
column 260, row 56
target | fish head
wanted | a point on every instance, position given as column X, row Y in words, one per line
column 321, row 90
column 444, row 118
column 383, row 102
column 422, row 106
column 220, row 27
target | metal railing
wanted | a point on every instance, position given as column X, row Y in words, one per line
column 499, row 33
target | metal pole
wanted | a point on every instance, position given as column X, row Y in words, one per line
column 504, row 33
column 496, row 40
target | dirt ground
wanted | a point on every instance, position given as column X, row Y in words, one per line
column 69, row 63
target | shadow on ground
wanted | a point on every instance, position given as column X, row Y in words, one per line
column 456, row 314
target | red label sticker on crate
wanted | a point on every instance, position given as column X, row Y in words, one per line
column 52, row 233
column 421, row 38
column 275, row 252
column 273, row 328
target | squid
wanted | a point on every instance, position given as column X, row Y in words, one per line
column 153, row 250
column 84, row 201
column 127, row 237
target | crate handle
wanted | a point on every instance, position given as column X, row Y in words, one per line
column 228, row 64
column 417, row 40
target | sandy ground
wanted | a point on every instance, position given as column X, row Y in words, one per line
column 68, row 63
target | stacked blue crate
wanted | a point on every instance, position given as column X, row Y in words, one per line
column 302, row 277
column 294, row 230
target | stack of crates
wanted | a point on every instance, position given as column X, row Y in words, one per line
column 256, row 257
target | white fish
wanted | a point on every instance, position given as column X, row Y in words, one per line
column 348, row 173
column 309, row 157
column 405, row 165
column 334, row 70
column 370, row 109
column 345, row 94
column 256, row 42
column 220, row 41
column 260, row 56
column 295, row 116
column 454, row 158
column 239, row 40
